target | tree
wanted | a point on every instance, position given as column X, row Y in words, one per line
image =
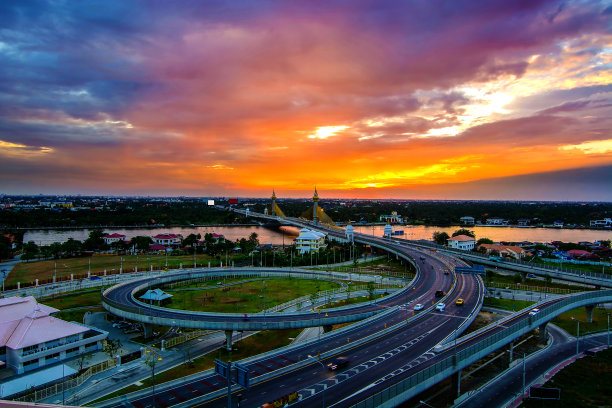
column 464, row 231
column 5, row 247
column 141, row 243
column 95, row 241
column 440, row 238
column 483, row 241
column 371, row 289
column 72, row 247
column 84, row 359
column 30, row 250
column 112, row 347
column 191, row 239
column 55, row 249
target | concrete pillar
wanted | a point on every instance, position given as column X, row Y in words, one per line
column 163, row 345
column 221, row 264
column 36, row 284
column 147, row 330
column 523, row 276
column 88, row 274
column 105, row 272
column 589, row 311
column 180, row 266
column 510, row 352
column 228, row 340
column 135, row 269
column 456, row 387
column 71, row 277
column 53, row 278
column 18, row 285
column 151, row 268
column 543, row 336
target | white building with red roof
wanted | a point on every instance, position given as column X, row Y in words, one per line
column 167, row 239
column 30, row 338
column 462, row 242
column 112, row 238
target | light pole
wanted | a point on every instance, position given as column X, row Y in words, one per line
column 577, row 335
column 153, row 358
column 608, row 324
column 194, row 256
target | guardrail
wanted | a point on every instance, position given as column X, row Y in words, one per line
column 406, row 389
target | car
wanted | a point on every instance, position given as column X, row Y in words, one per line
column 245, row 317
column 446, row 272
column 440, row 293
column 534, row 312
column 531, row 275
column 418, row 306
column 440, row 307
column 337, row 363
column 459, row 302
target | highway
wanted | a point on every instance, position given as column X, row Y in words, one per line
column 389, row 345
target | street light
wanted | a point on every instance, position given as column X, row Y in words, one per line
column 194, row 255
column 577, row 335
column 153, row 358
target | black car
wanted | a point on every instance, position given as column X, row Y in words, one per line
column 337, row 363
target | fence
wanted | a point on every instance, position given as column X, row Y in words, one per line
column 467, row 354
column 74, row 381
column 185, row 337
column 529, row 288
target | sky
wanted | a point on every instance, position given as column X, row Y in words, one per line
column 427, row 99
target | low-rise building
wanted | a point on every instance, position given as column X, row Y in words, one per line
column 112, row 238
column 394, row 218
column 496, row 221
column 309, row 240
column 512, row 251
column 167, row 239
column 467, row 220
column 558, row 224
column 462, row 242
column 523, row 222
column 30, row 338
column 605, row 223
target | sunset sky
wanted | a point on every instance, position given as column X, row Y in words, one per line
column 427, row 99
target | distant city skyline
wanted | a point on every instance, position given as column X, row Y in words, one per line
column 388, row 99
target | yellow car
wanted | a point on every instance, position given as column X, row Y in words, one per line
column 459, row 302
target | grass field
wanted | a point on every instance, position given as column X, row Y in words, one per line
column 587, row 383
column 246, row 297
column 580, row 267
column 600, row 320
column 506, row 304
column 510, row 279
column 43, row 270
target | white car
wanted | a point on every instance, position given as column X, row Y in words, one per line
column 534, row 312
column 440, row 306
column 418, row 306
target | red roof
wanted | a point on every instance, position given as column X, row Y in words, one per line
column 166, row 236
column 217, row 235
column 579, row 252
column 157, row 247
column 114, row 235
column 461, row 238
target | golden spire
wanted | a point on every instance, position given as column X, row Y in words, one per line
column 273, row 195
column 349, row 222
column 315, row 198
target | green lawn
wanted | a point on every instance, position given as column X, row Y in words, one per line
column 580, row 267
column 506, row 304
column 26, row 272
column 587, row 383
column 247, row 297
column 565, row 321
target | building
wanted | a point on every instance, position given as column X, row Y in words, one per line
column 309, row 240
column 511, row 251
column 167, row 239
column 350, row 233
column 467, row 220
column 112, row 238
column 462, row 242
column 523, row 222
column 496, row 221
column 394, row 218
column 30, row 338
column 388, row 231
column 605, row 223
column 558, row 224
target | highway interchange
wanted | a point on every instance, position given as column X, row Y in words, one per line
column 385, row 349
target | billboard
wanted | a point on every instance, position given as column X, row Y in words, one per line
column 211, row 202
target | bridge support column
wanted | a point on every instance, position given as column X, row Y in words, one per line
column 327, row 328
column 147, row 330
column 523, row 276
column 510, row 353
column 228, row 340
column 457, row 384
column 543, row 336
column 589, row 311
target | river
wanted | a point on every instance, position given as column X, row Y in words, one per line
column 287, row 234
